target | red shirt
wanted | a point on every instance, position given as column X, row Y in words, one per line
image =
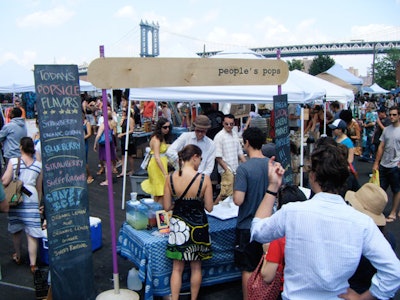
column 148, row 109
column 276, row 253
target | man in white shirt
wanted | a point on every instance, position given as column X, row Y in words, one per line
column 229, row 152
column 197, row 137
column 325, row 237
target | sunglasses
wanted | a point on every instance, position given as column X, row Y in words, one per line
column 392, row 115
column 200, row 131
column 229, row 124
column 165, row 127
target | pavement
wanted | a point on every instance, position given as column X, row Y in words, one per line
column 17, row 281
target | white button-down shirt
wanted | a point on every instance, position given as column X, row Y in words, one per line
column 325, row 239
column 206, row 145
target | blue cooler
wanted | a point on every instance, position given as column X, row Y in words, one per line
column 95, row 237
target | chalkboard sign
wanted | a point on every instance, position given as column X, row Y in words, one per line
column 64, row 181
column 282, row 139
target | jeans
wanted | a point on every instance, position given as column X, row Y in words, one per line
column 368, row 149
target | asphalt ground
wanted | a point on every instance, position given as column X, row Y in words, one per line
column 17, row 281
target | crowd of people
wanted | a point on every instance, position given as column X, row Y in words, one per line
column 255, row 181
column 322, row 245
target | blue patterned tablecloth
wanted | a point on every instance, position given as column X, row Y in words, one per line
column 147, row 252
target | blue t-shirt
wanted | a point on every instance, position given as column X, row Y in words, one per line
column 252, row 179
column 348, row 143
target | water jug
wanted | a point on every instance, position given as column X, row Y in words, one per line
column 133, row 281
column 153, row 208
column 137, row 214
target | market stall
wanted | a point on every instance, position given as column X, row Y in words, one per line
column 146, row 249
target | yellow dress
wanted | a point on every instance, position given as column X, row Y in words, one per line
column 154, row 185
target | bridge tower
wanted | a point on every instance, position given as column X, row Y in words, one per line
column 145, row 30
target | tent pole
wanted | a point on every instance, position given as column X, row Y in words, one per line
column 301, row 145
column 124, row 167
column 324, row 103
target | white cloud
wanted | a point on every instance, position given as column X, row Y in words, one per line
column 211, row 16
column 376, row 32
column 52, row 17
column 126, row 12
column 27, row 59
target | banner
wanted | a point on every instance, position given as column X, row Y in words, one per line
column 64, row 181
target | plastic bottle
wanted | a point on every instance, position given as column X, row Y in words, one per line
column 153, row 208
column 137, row 214
column 133, row 281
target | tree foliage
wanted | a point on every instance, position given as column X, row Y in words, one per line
column 320, row 64
column 385, row 69
column 295, row 64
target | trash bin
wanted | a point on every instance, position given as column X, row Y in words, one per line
column 136, row 179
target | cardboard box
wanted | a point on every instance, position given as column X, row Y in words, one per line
column 95, row 236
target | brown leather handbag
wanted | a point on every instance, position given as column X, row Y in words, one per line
column 13, row 190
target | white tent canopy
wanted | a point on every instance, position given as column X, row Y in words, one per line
column 338, row 71
column 238, row 53
column 298, row 90
column 85, row 86
column 300, row 87
column 376, row 89
column 333, row 91
column 17, row 79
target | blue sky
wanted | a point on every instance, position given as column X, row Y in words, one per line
column 70, row 31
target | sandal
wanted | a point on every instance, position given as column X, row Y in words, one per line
column 120, row 175
column 101, row 171
column 390, row 219
column 104, row 183
column 16, row 259
column 34, row 268
column 90, row 180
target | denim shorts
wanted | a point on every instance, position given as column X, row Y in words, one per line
column 390, row 177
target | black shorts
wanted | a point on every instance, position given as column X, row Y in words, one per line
column 247, row 255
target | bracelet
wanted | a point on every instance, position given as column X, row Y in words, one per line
column 271, row 193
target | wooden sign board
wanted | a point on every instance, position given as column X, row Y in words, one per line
column 118, row 72
column 240, row 110
column 282, row 139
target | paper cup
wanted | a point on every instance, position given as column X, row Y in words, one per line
column 133, row 196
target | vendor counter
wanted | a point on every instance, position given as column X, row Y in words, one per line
column 146, row 249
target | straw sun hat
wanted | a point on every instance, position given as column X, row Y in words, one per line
column 371, row 200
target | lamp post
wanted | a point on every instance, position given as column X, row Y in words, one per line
column 373, row 63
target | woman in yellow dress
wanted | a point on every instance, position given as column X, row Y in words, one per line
column 158, row 164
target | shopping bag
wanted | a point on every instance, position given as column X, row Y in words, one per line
column 14, row 189
column 13, row 192
column 146, row 161
column 102, row 139
column 375, row 178
column 258, row 289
